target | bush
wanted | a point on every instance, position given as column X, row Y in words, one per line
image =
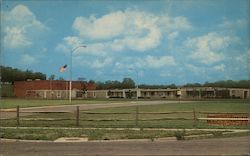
column 180, row 135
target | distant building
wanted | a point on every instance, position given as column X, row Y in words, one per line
column 183, row 93
column 51, row 89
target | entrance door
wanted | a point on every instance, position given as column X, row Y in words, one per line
column 245, row 94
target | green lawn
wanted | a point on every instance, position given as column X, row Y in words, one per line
column 206, row 106
column 93, row 134
column 154, row 116
column 13, row 103
column 121, row 117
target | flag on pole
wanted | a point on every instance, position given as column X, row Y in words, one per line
column 63, row 68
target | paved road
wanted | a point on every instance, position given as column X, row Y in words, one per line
column 9, row 113
column 223, row 146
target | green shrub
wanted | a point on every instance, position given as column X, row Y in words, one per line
column 180, row 135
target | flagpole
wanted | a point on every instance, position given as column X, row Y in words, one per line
column 71, row 62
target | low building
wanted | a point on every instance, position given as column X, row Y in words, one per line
column 51, row 89
column 183, row 93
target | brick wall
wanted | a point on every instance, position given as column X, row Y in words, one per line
column 20, row 87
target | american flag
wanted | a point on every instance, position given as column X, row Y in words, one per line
column 63, row 68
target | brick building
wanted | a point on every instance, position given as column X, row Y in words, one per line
column 51, row 89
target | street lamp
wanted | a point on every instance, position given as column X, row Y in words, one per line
column 70, row 82
column 137, row 92
column 137, row 87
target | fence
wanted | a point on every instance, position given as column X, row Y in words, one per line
column 131, row 118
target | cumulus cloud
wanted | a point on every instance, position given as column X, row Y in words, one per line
column 107, row 26
column 20, row 26
column 174, row 23
column 207, row 48
column 15, row 37
column 71, row 42
column 68, row 43
column 119, row 32
column 130, row 29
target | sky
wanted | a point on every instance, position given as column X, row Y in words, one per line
column 150, row 41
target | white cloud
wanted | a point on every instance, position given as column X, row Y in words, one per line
column 145, row 62
column 173, row 35
column 129, row 29
column 101, row 63
column 107, row 26
column 141, row 63
column 208, row 49
column 68, row 44
column 28, row 60
column 220, row 68
column 241, row 59
column 119, row 32
column 15, row 37
column 199, row 71
column 20, row 27
column 71, row 42
column 239, row 23
column 158, row 62
column 93, row 62
column 125, row 30
column 174, row 23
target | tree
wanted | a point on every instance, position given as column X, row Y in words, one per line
column 100, row 85
column 81, row 79
column 9, row 74
column 91, row 82
column 61, row 78
column 128, row 83
column 52, row 77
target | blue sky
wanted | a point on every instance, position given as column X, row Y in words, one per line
column 151, row 41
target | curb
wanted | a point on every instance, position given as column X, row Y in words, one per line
column 20, row 140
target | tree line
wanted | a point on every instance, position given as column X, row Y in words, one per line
column 9, row 74
column 126, row 83
column 224, row 84
column 129, row 83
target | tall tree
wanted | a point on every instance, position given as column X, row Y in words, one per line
column 128, row 83
column 9, row 74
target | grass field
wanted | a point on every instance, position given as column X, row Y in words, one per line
column 169, row 115
column 101, row 134
column 13, row 102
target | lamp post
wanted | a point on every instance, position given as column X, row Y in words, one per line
column 137, row 87
column 70, row 82
column 137, row 106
